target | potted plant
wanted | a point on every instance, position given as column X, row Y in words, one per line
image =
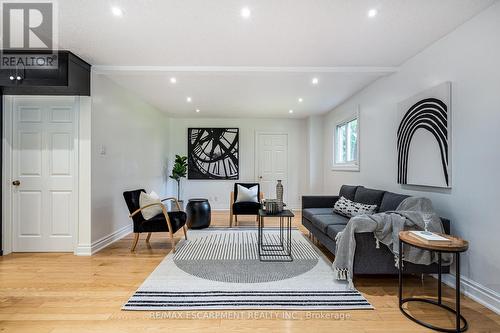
column 178, row 172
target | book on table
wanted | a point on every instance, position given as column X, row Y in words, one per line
column 429, row 237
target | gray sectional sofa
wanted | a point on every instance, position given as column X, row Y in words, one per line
column 318, row 217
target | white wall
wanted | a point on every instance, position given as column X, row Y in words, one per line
column 315, row 155
column 218, row 191
column 469, row 58
column 134, row 136
column 84, row 241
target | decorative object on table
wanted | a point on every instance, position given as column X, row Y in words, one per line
column 244, row 202
column 427, row 220
column 429, row 237
column 279, row 195
column 276, row 249
column 424, row 138
column 178, row 172
column 226, row 261
column 456, row 246
column 198, row 213
column 169, row 222
column 213, row 153
column 272, row 206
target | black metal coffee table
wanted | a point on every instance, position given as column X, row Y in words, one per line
column 276, row 249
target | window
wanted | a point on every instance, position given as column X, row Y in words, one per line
column 345, row 145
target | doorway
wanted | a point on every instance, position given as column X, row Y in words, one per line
column 271, row 153
column 41, row 172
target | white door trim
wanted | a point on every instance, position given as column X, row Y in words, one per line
column 256, row 153
column 7, row 227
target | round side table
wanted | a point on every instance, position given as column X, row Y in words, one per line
column 456, row 247
column 198, row 213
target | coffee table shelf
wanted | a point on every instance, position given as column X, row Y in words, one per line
column 281, row 249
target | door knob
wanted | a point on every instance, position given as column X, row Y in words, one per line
column 16, row 182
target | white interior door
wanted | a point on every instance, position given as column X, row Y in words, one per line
column 272, row 163
column 43, row 173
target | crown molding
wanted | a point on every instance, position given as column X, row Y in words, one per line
column 105, row 69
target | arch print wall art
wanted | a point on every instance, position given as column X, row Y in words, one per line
column 213, row 153
column 424, row 138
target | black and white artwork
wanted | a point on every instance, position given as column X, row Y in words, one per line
column 213, row 153
column 424, row 138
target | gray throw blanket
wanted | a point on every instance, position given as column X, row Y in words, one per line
column 411, row 214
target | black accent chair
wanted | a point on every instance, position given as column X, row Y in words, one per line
column 243, row 208
column 169, row 222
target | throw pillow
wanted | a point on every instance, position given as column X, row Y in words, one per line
column 147, row 199
column 247, row 194
column 350, row 208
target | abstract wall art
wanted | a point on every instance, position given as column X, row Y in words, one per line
column 424, row 138
column 213, row 153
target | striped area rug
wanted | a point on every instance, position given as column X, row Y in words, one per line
column 219, row 269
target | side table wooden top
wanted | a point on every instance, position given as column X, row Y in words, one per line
column 456, row 245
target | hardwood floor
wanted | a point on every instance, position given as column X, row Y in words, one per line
column 56, row 293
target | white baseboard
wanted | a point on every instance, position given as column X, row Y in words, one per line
column 83, row 250
column 479, row 293
column 105, row 241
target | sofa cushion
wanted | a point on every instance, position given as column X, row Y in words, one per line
column 149, row 199
column 308, row 213
column 334, row 229
column 369, row 196
column 348, row 191
column 391, row 201
column 247, row 194
column 323, row 221
column 348, row 208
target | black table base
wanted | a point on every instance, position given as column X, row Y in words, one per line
column 281, row 251
column 459, row 319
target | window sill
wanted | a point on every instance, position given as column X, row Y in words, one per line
column 346, row 167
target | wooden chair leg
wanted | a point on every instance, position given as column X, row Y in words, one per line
column 148, row 238
column 172, row 241
column 235, row 219
column 185, row 232
column 134, row 243
column 230, row 219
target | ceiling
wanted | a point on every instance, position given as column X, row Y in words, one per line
column 256, row 66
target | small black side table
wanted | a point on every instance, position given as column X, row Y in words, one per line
column 198, row 213
column 282, row 249
column 456, row 246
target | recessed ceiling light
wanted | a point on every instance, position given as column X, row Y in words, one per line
column 372, row 12
column 315, row 80
column 188, row 99
column 290, row 111
column 117, row 11
column 197, row 110
column 245, row 12
column 173, row 80
column 300, row 99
